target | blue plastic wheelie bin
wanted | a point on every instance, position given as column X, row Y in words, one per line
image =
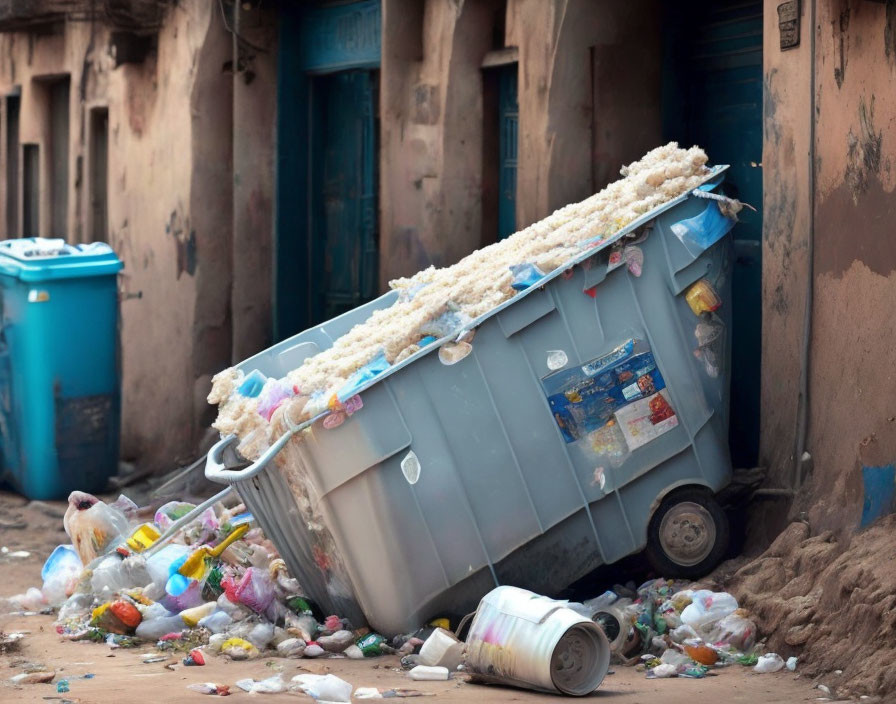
column 59, row 366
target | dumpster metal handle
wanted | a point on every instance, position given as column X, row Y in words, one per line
column 216, row 470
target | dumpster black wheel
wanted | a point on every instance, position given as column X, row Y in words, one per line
column 688, row 534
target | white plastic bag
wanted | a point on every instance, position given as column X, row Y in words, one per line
column 272, row 685
column 770, row 662
column 328, row 688
column 707, row 607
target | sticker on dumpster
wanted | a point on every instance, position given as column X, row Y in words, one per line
column 614, row 400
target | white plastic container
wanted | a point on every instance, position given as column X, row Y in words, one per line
column 526, row 640
column 442, row 648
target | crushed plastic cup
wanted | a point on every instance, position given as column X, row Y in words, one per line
column 770, row 662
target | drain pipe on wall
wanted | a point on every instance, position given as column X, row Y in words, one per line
column 801, row 457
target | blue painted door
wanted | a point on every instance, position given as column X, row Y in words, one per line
column 343, row 246
column 508, row 138
column 713, row 97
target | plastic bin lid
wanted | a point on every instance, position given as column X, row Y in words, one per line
column 40, row 259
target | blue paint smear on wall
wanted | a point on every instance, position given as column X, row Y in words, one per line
column 880, row 488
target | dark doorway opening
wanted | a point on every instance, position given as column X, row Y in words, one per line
column 30, row 190
column 99, row 174
column 343, row 243
column 712, row 96
column 12, row 166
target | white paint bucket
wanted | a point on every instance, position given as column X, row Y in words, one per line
column 526, row 640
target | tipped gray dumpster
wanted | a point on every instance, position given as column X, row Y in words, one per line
column 590, row 419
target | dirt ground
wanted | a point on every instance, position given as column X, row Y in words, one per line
column 120, row 675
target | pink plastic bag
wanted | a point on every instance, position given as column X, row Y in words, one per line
column 255, row 589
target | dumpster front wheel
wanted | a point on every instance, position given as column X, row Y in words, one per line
column 688, row 534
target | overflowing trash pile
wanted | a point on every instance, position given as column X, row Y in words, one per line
column 441, row 305
column 218, row 586
column 673, row 630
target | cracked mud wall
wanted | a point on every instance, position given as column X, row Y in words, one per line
column 852, row 419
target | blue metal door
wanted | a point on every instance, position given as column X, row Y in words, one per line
column 344, row 256
column 713, row 97
column 508, row 131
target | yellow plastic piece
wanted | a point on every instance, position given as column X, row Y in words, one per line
column 100, row 610
column 239, row 643
column 702, row 297
column 441, row 623
column 194, row 565
column 192, row 617
column 142, row 537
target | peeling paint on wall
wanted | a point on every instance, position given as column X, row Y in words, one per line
column 863, row 151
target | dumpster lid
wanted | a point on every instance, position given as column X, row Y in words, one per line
column 41, row 259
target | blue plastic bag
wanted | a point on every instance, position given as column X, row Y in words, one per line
column 525, row 275
column 372, row 369
column 702, row 231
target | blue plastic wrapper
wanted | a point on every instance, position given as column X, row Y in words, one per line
column 428, row 340
column 372, row 369
column 525, row 275
column 252, row 384
column 702, row 231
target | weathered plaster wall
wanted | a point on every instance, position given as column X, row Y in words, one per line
column 852, row 352
column 254, row 141
column 853, row 369
column 431, row 132
column 786, row 198
column 555, row 42
column 171, row 175
column 432, row 123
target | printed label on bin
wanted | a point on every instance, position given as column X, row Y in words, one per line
column 614, row 403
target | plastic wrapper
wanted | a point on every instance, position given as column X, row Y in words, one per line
column 736, row 630
column 448, row 323
column 274, row 393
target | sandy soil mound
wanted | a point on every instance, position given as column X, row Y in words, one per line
column 831, row 603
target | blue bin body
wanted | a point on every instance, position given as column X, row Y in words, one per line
column 60, row 375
